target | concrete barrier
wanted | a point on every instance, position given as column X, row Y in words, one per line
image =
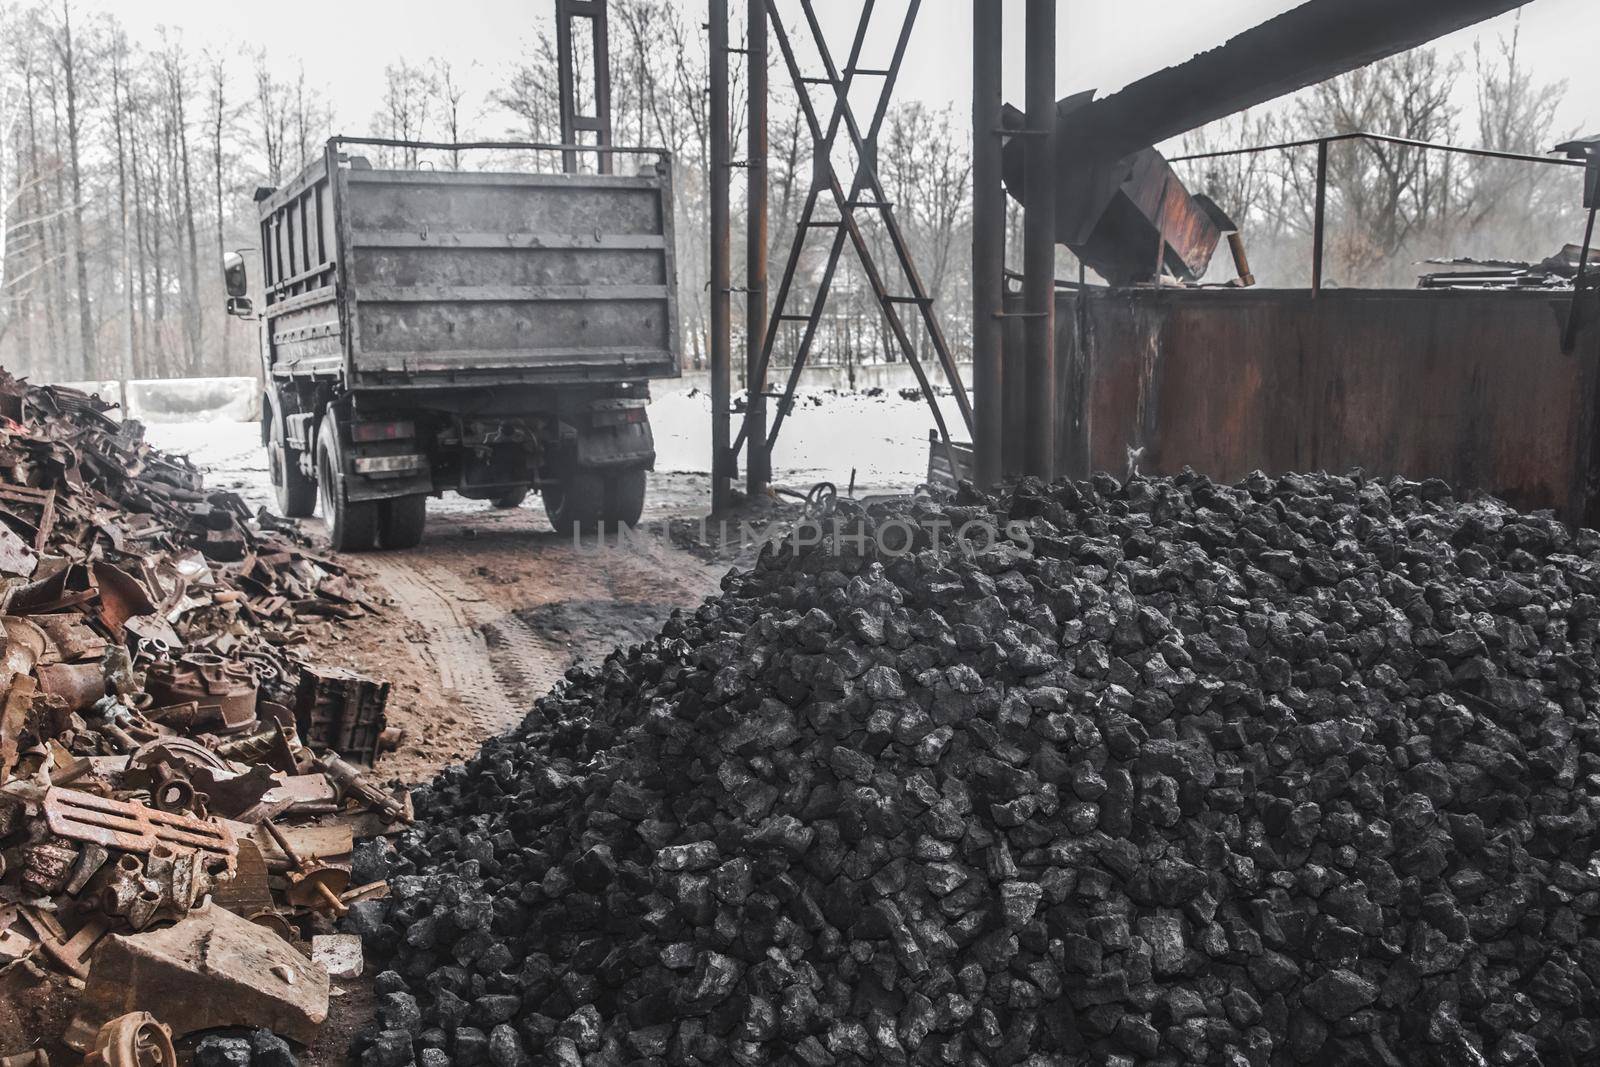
column 195, row 400
column 180, row 399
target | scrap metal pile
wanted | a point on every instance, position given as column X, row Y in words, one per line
column 1299, row 770
column 1558, row 272
column 157, row 725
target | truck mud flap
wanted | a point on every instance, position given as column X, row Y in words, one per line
column 625, row 446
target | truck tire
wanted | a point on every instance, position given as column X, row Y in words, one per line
column 512, row 499
column 576, row 502
column 625, row 497
column 296, row 494
column 352, row 524
column 401, row 519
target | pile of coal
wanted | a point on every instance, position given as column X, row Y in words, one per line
column 1299, row 770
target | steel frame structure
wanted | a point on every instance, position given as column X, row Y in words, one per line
column 865, row 193
column 572, row 123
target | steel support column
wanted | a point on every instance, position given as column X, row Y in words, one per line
column 988, row 243
column 1319, row 219
column 721, row 309
column 758, row 464
column 572, row 123
column 1039, row 236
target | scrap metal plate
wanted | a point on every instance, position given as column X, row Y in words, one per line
column 133, row 827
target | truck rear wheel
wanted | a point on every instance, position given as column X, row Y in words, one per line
column 625, row 497
column 577, row 502
column 401, row 519
column 296, row 494
column 352, row 524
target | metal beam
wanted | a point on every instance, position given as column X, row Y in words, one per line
column 572, row 122
column 1308, row 44
column 866, row 149
column 758, row 464
column 721, row 302
column 988, row 243
column 826, row 174
column 822, row 154
column 1319, row 220
column 1039, row 235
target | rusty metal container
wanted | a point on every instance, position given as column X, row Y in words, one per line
column 341, row 710
column 1470, row 387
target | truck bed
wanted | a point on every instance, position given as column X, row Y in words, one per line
column 477, row 278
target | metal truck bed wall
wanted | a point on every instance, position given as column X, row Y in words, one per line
column 473, row 278
column 1469, row 387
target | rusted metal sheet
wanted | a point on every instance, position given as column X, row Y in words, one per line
column 1469, row 387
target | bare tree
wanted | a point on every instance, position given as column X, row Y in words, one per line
column 451, row 93
column 272, row 118
column 218, row 119
column 174, row 67
column 119, row 58
column 10, row 123
column 407, row 108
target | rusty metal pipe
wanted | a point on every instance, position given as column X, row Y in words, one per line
column 758, row 462
column 1319, row 221
column 721, row 237
column 1039, row 236
column 1241, row 259
column 988, row 242
column 298, row 863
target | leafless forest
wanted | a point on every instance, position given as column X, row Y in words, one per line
column 126, row 171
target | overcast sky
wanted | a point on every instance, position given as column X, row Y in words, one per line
column 345, row 44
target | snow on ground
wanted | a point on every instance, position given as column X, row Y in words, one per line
column 883, row 439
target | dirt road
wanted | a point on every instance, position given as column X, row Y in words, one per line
column 489, row 612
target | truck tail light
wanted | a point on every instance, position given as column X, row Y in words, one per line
column 636, row 414
column 367, row 432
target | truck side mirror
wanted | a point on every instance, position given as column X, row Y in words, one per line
column 234, row 278
column 240, row 306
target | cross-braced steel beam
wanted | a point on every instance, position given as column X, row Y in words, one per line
column 825, row 181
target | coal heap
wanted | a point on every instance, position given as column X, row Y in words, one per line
column 1299, row 770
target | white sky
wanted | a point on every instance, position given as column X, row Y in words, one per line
column 345, row 44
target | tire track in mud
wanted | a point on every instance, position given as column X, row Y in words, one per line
column 489, row 660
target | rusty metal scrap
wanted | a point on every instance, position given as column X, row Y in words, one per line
column 225, row 692
column 133, row 827
column 214, row 969
column 150, row 673
column 136, row 1039
column 338, row 709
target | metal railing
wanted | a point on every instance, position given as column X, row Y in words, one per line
column 1319, row 218
column 604, row 151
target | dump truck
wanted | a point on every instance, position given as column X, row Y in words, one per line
column 485, row 332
